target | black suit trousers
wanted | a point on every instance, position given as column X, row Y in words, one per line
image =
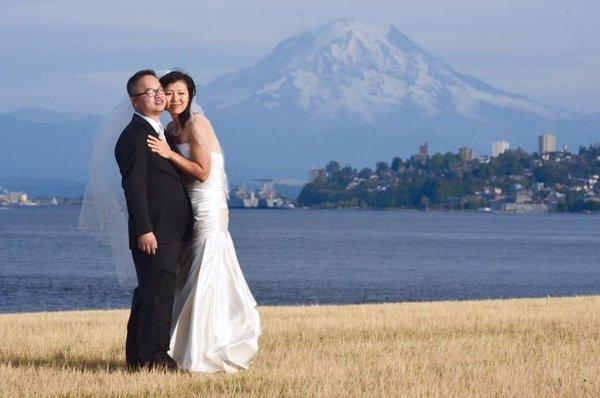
column 149, row 326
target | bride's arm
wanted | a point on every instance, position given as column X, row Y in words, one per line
column 189, row 167
column 199, row 133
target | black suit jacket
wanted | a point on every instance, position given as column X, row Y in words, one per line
column 154, row 189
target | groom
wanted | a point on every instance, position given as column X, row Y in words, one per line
column 160, row 218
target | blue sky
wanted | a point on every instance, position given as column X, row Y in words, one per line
column 76, row 55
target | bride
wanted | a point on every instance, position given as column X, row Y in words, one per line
column 216, row 324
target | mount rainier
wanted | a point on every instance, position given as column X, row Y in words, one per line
column 360, row 93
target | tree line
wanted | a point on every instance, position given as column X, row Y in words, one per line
column 449, row 181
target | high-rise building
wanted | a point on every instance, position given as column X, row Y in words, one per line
column 424, row 150
column 467, row 154
column 546, row 143
column 314, row 173
column 499, row 147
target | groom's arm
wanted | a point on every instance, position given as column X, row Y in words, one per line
column 132, row 157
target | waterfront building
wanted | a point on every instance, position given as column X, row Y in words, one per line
column 499, row 147
column 265, row 197
column 243, row 197
column 524, row 196
column 16, row 198
column 526, row 208
column 546, row 143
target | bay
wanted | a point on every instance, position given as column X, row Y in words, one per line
column 321, row 257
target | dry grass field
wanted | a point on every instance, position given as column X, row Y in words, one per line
column 524, row 347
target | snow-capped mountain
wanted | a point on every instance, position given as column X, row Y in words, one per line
column 349, row 67
column 359, row 93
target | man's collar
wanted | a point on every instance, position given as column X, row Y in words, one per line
column 156, row 125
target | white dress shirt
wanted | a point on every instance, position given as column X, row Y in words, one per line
column 156, row 125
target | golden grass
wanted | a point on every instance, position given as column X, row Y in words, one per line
column 524, row 347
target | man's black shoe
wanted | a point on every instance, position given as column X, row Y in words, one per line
column 166, row 363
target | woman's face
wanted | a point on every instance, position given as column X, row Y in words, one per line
column 178, row 97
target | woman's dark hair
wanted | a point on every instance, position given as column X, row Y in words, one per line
column 176, row 76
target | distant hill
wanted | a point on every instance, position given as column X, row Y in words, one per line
column 40, row 144
column 42, row 186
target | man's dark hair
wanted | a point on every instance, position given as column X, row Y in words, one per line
column 133, row 80
column 176, row 76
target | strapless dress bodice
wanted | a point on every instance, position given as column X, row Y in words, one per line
column 214, row 191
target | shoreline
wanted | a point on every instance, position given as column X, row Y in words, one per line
column 384, row 209
column 331, row 305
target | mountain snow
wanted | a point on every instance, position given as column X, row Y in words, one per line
column 347, row 67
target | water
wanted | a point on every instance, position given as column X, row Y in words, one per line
column 322, row 256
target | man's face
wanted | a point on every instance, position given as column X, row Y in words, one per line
column 146, row 104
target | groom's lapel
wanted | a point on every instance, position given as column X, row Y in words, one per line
column 138, row 119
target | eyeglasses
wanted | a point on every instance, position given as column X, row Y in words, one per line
column 150, row 92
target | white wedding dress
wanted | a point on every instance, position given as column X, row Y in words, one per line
column 216, row 325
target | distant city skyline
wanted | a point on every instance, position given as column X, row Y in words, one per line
column 69, row 56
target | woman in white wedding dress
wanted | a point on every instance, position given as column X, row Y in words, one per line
column 216, row 325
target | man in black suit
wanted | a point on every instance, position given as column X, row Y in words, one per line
column 160, row 218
